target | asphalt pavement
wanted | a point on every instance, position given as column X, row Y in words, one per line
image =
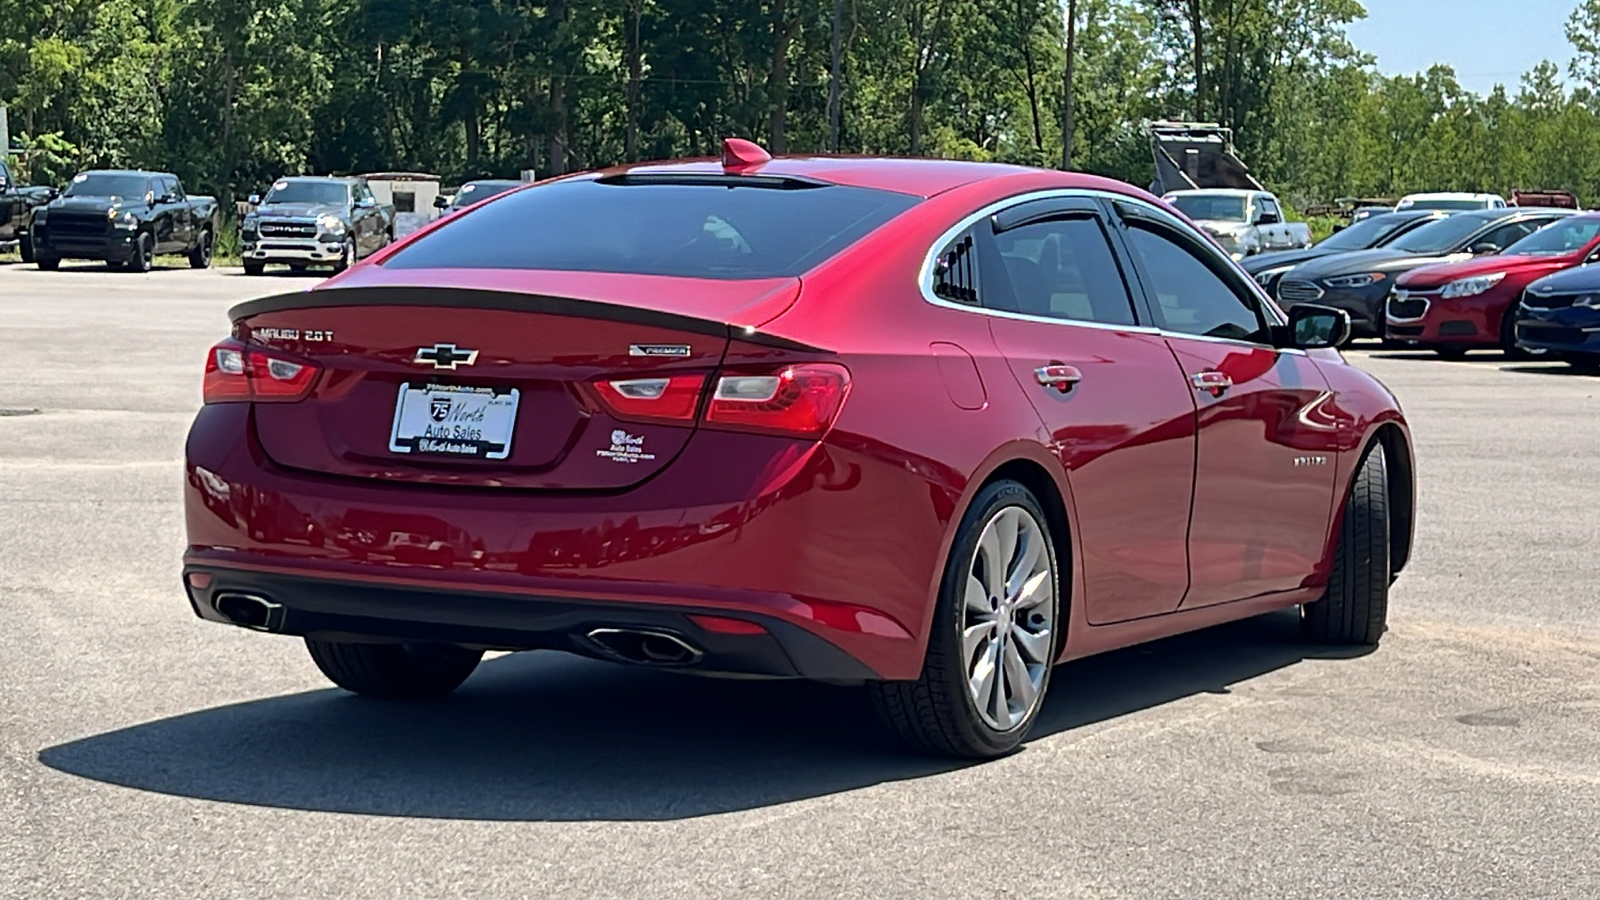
column 144, row 753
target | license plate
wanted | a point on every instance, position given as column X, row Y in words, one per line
column 454, row 420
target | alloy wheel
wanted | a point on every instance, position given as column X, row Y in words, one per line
column 1008, row 621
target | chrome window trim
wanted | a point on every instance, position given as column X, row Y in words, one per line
column 925, row 276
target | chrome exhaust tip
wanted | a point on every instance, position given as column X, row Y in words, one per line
column 249, row 610
column 644, row 646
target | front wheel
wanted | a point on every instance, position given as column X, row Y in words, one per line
column 994, row 637
column 347, row 256
column 47, row 263
column 200, row 256
column 1451, row 353
column 394, row 671
column 25, row 247
column 144, row 253
column 254, row 268
column 1355, row 608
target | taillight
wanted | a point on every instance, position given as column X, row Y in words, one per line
column 238, row 372
column 664, row 399
column 799, row 400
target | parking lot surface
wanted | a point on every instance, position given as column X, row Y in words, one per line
column 144, row 753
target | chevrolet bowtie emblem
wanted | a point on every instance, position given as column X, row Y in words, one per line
column 445, row 356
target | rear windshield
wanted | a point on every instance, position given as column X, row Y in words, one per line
column 733, row 228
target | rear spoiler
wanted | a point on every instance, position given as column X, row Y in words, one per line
column 478, row 298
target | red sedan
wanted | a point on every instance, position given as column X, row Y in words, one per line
column 929, row 426
column 1461, row 306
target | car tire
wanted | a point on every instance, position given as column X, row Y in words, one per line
column 974, row 631
column 1355, row 608
column 144, row 253
column 47, row 263
column 25, row 248
column 1451, row 353
column 1508, row 339
column 347, row 256
column 1582, row 362
column 419, row 671
column 254, row 268
column 200, row 256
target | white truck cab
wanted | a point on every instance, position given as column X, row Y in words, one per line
column 1244, row 222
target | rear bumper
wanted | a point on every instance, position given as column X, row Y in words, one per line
column 828, row 540
column 335, row 609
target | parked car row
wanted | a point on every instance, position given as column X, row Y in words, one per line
column 1433, row 255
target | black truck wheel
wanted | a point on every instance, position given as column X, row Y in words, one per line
column 47, row 263
column 200, row 256
column 25, row 247
column 144, row 253
column 394, row 671
column 1355, row 608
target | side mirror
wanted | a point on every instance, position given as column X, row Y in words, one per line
column 1484, row 248
column 254, row 200
column 51, row 193
column 1313, row 327
column 440, row 202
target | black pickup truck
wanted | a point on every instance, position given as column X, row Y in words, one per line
column 124, row 218
column 16, row 208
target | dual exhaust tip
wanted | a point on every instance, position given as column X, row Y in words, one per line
column 644, row 646
column 641, row 646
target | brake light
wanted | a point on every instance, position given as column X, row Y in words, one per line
column 799, row 401
column 664, row 399
column 239, row 372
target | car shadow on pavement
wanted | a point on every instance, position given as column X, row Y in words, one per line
column 548, row 737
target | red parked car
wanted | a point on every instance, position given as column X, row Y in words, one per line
column 1456, row 307
column 932, row 426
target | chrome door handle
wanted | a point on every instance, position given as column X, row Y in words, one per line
column 1211, row 382
column 1062, row 378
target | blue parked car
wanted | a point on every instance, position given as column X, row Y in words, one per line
column 1561, row 313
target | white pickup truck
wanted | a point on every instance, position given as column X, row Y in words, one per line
column 1244, row 222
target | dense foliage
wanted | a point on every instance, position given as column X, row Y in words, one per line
column 231, row 93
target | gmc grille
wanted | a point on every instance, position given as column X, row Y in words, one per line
column 1299, row 292
column 287, row 229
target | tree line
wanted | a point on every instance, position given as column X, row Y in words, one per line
column 233, row 93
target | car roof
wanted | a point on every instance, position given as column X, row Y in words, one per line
column 921, row 177
column 139, row 172
column 342, row 179
column 1216, row 192
column 511, row 181
column 1449, row 195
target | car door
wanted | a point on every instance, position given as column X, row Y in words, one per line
column 364, row 219
column 1275, row 234
column 1108, row 391
column 182, row 215
column 1266, row 431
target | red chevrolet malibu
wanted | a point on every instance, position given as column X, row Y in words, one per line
column 930, row 426
column 1461, row 306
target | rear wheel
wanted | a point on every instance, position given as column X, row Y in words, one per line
column 1355, row 609
column 200, row 256
column 993, row 641
column 394, row 671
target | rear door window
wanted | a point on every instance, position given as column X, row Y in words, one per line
column 702, row 227
column 1063, row 268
